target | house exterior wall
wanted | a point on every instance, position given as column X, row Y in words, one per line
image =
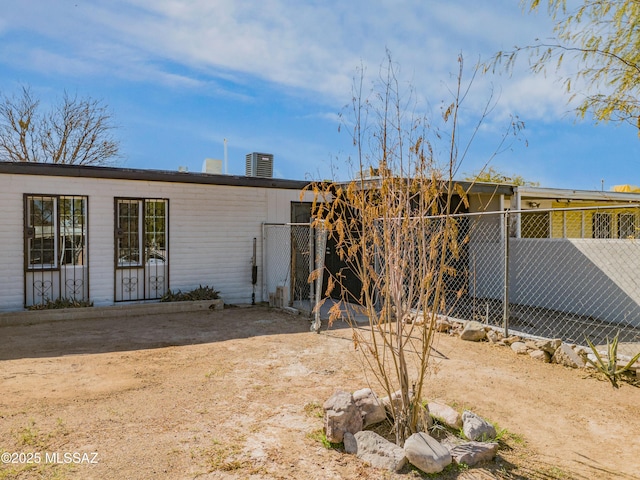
column 569, row 270
column 579, row 223
column 211, row 231
column 591, row 277
column 486, row 244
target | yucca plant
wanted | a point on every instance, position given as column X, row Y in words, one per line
column 609, row 366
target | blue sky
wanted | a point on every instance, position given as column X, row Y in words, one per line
column 273, row 76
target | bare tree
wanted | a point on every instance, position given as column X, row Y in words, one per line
column 75, row 131
column 394, row 229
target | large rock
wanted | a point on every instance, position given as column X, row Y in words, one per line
column 370, row 406
column 341, row 415
column 444, row 413
column 473, row 331
column 565, row 355
column 426, row 453
column 472, row 453
column 477, row 428
column 378, row 451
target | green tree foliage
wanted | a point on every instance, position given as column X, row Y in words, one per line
column 603, row 38
column 492, row 175
column 74, row 131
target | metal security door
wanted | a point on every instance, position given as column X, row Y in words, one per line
column 141, row 249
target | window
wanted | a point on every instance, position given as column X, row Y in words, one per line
column 155, row 231
column 41, row 232
column 55, row 231
column 602, row 225
column 128, row 229
column 626, row 225
column 141, row 227
column 72, row 231
column 534, row 225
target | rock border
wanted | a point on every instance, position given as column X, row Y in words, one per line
column 346, row 416
column 540, row 349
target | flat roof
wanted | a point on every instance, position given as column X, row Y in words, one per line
column 85, row 171
column 568, row 194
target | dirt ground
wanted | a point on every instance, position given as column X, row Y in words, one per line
column 237, row 393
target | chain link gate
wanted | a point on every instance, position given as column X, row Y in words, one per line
column 290, row 253
column 563, row 273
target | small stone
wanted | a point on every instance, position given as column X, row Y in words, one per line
column 492, row 336
column 520, row 348
column 549, row 346
column 350, row 443
column 443, row 324
column 476, row 428
column 472, row 453
column 444, row 413
column 582, row 351
column 395, row 401
column 565, row 355
column 379, row 452
column 408, row 318
column 511, row 339
column 473, row 332
column 426, row 453
column 370, row 406
column 540, row 355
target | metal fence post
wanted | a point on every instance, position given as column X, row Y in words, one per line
column 313, row 299
column 505, row 299
column 264, row 270
column 321, row 247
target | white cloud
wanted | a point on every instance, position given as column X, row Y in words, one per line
column 306, row 46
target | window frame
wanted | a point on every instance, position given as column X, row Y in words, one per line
column 58, row 251
column 599, row 225
column 626, row 226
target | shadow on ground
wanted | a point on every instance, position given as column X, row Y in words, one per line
column 147, row 332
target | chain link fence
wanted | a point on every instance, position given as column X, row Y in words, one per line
column 563, row 273
column 570, row 273
column 288, row 259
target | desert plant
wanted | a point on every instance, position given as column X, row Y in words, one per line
column 320, row 436
column 200, row 293
column 393, row 227
column 61, row 303
column 608, row 365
